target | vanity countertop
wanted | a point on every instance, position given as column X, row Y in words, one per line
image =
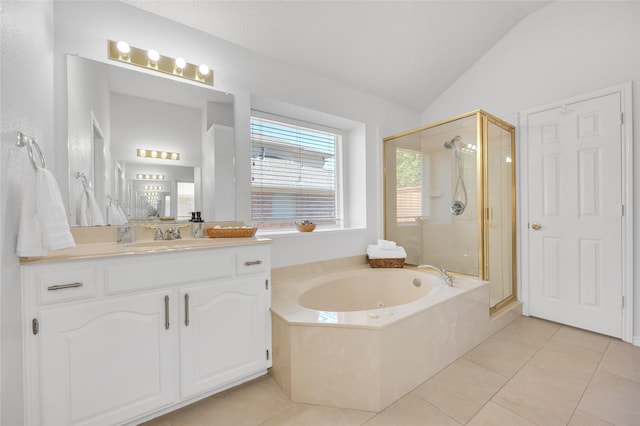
column 103, row 249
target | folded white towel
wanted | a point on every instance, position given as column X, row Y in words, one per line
column 375, row 252
column 51, row 213
column 43, row 220
column 387, row 245
column 88, row 210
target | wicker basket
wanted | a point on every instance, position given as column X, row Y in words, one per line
column 231, row 232
column 306, row 227
column 386, row 263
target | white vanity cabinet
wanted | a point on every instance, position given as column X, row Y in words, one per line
column 106, row 361
column 222, row 334
column 115, row 340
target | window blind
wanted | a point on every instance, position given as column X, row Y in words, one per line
column 293, row 174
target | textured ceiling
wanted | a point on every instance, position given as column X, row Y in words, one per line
column 407, row 52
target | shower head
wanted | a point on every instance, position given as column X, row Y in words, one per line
column 452, row 143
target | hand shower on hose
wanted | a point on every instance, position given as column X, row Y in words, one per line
column 459, row 195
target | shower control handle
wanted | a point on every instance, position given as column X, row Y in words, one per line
column 536, row 226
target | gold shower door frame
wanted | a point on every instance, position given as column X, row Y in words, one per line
column 483, row 120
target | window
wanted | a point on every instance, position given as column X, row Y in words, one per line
column 294, row 174
column 409, row 185
column 186, row 199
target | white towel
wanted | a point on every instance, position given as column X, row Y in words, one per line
column 43, row 221
column 88, row 210
column 387, row 245
column 29, row 235
column 114, row 215
column 123, row 215
column 375, row 252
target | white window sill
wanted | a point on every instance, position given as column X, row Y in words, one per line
column 292, row 233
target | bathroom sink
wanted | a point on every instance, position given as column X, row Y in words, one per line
column 165, row 244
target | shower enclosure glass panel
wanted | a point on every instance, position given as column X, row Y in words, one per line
column 432, row 198
column 500, row 211
column 449, row 198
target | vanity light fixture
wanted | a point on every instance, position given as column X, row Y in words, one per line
column 151, row 59
column 152, row 153
column 469, row 148
column 147, row 176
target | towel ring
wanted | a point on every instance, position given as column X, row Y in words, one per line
column 30, row 143
column 83, row 179
column 35, row 145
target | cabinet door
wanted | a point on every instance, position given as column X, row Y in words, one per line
column 106, row 362
column 222, row 333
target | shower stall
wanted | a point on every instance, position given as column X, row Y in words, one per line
column 450, row 198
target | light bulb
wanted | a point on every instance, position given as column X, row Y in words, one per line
column 180, row 63
column 153, row 55
column 163, row 155
column 174, row 156
column 154, row 154
column 123, row 47
column 203, row 69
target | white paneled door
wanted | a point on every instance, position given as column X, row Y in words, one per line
column 575, row 211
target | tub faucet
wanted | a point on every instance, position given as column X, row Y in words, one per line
column 158, row 235
column 448, row 279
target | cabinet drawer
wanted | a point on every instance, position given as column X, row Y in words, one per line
column 251, row 262
column 163, row 270
column 64, row 285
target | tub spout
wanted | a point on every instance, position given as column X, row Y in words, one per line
column 448, row 279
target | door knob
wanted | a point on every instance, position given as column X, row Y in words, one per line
column 536, row 226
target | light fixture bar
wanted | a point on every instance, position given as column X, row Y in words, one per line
column 154, row 153
column 149, row 176
column 152, row 60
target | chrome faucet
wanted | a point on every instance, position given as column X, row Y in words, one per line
column 158, row 235
column 448, row 279
column 168, row 234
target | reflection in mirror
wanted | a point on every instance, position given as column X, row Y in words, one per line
column 170, row 195
column 113, row 111
column 431, row 201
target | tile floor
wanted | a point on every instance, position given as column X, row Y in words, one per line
column 532, row 372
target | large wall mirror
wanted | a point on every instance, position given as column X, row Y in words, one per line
column 450, row 198
column 115, row 111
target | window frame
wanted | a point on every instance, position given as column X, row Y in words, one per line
column 340, row 185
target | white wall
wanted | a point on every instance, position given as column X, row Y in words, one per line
column 142, row 123
column 25, row 105
column 85, row 27
column 564, row 49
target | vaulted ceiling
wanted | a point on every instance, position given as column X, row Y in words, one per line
column 407, row 52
